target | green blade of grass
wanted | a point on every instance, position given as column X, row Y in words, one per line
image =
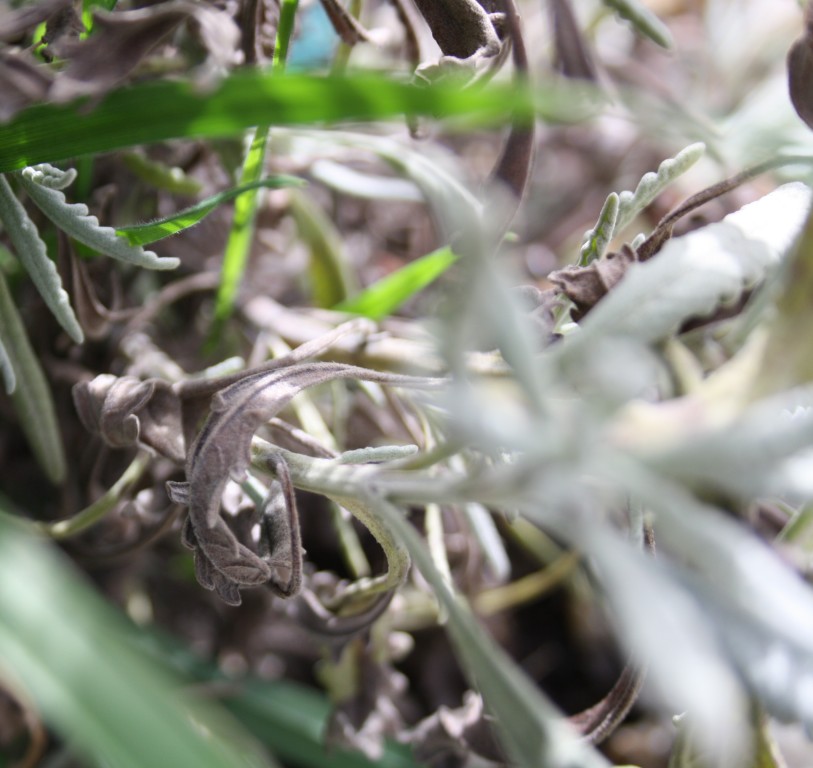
column 74, row 656
column 330, row 277
column 143, row 234
column 384, row 296
column 165, row 109
column 241, row 234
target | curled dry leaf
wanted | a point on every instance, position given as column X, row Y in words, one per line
column 222, row 450
column 449, row 736
column 586, row 286
column 126, row 410
column 800, row 71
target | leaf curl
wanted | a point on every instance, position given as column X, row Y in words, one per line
column 76, row 221
column 30, row 250
column 222, row 450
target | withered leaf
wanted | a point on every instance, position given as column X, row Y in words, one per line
column 586, row 286
column 368, row 712
column 15, row 23
column 281, row 542
column 123, row 38
column 124, row 410
column 800, row 71
column 449, row 736
column 222, row 450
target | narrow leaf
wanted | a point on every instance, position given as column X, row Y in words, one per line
column 75, row 220
column 630, row 204
column 31, row 251
column 531, row 729
column 694, row 275
column 32, row 398
column 6, row 368
column 383, row 297
column 143, row 234
column 598, row 238
column 50, row 132
column 646, row 22
column 241, row 233
column 330, row 278
column 76, row 659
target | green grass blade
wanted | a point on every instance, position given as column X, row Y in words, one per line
column 151, row 232
column 31, row 397
column 76, row 659
column 235, row 256
column 330, row 278
column 75, row 220
column 165, row 109
column 241, row 234
column 383, row 297
column 159, row 175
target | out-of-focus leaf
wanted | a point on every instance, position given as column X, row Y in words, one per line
column 330, row 277
column 646, row 22
column 763, row 452
column 31, row 251
column 759, row 609
column 694, row 275
column 74, row 657
column 6, row 368
column 32, row 397
column 673, row 638
column 531, row 730
column 788, row 360
column 364, row 185
column 143, row 234
column 159, row 175
column 383, row 297
column 76, row 221
column 243, row 99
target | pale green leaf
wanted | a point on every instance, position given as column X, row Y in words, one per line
column 74, row 219
column 694, row 275
column 31, row 252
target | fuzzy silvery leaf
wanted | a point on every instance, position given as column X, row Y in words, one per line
column 31, row 252
column 630, row 204
column 761, row 453
column 760, row 610
column 667, row 631
column 529, row 727
column 693, row 275
column 76, row 221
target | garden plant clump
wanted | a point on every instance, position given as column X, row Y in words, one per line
column 406, row 383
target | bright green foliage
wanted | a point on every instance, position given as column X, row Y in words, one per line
column 151, row 232
column 385, row 296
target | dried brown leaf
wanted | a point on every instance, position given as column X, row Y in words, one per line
column 586, row 286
